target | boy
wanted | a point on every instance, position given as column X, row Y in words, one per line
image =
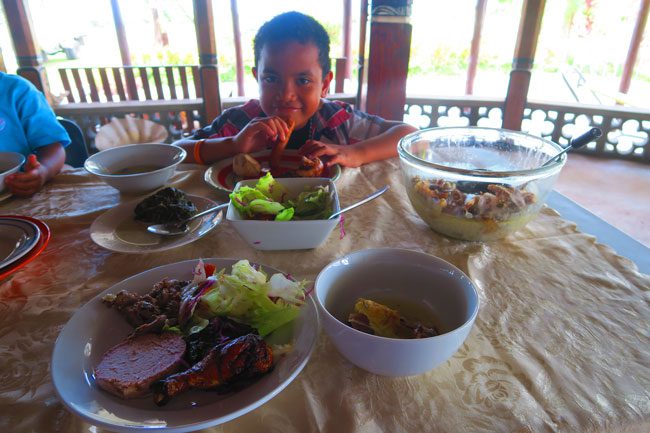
column 28, row 126
column 292, row 68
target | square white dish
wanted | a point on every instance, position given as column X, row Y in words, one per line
column 286, row 235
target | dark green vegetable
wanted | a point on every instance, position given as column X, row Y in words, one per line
column 168, row 205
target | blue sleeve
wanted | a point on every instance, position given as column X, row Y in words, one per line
column 38, row 120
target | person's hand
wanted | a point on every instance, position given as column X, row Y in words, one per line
column 30, row 182
column 331, row 154
column 260, row 132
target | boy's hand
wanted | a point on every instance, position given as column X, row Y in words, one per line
column 331, row 154
column 31, row 181
column 260, row 132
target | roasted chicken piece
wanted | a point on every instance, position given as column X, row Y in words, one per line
column 242, row 358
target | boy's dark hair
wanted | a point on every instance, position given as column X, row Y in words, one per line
column 294, row 26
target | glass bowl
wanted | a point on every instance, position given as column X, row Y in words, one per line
column 477, row 184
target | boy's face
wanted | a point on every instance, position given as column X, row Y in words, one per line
column 291, row 81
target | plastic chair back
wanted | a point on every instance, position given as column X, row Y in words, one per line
column 76, row 152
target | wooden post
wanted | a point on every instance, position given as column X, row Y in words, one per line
column 633, row 51
column 129, row 78
column 239, row 63
column 522, row 63
column 476, row 43
column 27, row 53
column 390, row 45
column 204, row 21
column 121, row 33
column 362, row 71
column 347, row 30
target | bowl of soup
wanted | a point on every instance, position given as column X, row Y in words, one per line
column 10, row 162
column 136, row 168
column 395, row 312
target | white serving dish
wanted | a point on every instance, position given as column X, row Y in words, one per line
column 410, row 278
column 107, row 163
column 286, row 235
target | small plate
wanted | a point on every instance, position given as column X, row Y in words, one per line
column 17, row 238
column 35, row 251
column 117, row 230
column 221, row 176
column 94, row 328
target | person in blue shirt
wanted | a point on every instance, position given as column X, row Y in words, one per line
column 28, row 126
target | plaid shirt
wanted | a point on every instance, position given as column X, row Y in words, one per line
column 335, row 122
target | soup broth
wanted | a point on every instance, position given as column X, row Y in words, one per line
column 137, row 169
column 342, row 306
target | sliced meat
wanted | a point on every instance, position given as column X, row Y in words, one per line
column 128, row 369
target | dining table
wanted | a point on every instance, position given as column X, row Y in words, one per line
column 561, row 342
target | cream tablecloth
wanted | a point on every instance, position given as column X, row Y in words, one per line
column 560, row 344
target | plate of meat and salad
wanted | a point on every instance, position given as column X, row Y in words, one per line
column 184, row 346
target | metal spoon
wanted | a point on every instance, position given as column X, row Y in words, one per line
column 372, row 196
column 181, row 227
column 578, row 142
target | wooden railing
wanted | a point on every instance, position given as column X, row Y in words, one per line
column 131, row 83
column 626, row 131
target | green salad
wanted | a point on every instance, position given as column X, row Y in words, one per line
column 269, row 200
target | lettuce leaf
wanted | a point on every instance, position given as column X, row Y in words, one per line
column 248, row 296
column 269, row 198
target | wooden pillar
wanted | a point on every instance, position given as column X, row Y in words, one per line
column 239, row 63
column 121, row 33
column 390, row 45
column 476, row 43
column 27, row 53
column 633, row 51
column 204, row 21
column 347, row 37
column 362, row 70
column 131, row 87
column 522, row 63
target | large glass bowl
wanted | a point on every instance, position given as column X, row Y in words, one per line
column 477, row 184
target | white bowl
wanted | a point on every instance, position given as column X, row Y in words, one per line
column 10, row 162
column 286, row 235
column 136, row 168
column 414, row 283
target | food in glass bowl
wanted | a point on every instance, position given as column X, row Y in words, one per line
column 477, row 184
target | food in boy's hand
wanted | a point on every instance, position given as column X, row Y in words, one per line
column 374, row 318
column 310, row 167
column 472, row 211
column 169, row 205
column 215, row 324
column 245, row 166
column 269, row 200
column 278, row 149
column 128, row 369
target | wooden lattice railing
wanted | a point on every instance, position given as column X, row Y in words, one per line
column 625, row 131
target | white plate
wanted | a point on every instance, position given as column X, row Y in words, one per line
column 116, row 229
column 17, row 238
column 221, row 176
column 95, row 328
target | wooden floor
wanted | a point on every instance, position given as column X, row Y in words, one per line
column 616, row 191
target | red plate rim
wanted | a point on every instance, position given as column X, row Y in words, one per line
column 35, row 251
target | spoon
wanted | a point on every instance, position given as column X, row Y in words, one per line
column 181, row 227
column 372, row 196
column 578, row 142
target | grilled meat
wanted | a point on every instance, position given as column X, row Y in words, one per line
column 242, row 358
column 164, row 298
